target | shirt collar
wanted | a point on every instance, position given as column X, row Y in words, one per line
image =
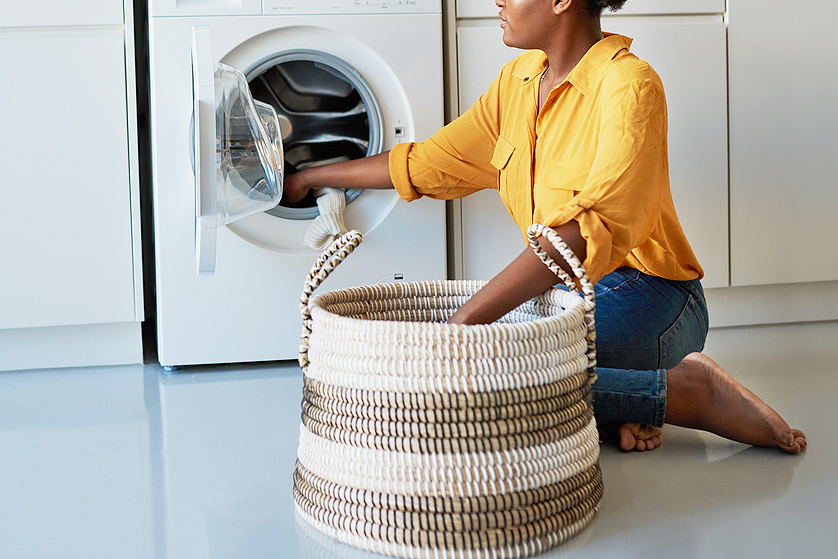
column 587, row 72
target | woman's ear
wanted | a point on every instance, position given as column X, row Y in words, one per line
column 560, row 6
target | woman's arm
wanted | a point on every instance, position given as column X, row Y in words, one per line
column 453, row 163
column 523, row 279
column 367, row 172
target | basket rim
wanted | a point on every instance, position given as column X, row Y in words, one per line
column 574, row 312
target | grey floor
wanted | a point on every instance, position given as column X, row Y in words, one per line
column 132, row 462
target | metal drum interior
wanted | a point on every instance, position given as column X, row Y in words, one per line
column 327, row 110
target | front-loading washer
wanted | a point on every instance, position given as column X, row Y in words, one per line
column 347, row 78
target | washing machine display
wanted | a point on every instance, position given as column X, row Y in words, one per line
column 329, row 81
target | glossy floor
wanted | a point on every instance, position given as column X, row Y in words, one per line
column 132, row 462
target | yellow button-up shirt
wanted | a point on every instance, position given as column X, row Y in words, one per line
column 596, row 153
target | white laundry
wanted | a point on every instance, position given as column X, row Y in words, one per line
column 329, row 224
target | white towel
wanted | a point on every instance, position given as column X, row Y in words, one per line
column 329, row 224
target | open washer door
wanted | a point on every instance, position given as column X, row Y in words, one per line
column 238, row 157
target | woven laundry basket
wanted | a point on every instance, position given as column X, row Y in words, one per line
column 426, row 439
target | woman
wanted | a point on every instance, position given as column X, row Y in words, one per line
column 573, row 135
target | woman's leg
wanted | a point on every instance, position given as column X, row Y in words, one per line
column 702, row 395
column 649, row 333
column 645, row 325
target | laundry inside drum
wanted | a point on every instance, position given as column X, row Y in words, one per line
column 327, row 111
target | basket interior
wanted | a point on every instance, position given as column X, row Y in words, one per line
column 433, row 301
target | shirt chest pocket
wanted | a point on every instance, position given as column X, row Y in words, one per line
column 500, row 160
column 561, row 181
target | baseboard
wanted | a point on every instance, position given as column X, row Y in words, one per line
column 88, row 345
column 773, row 304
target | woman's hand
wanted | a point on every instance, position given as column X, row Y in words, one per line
column 523, row 279
column 367, row 172
column 295, row 187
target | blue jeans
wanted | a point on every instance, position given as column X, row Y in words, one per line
column 645, row 325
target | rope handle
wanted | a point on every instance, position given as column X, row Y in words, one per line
column 323, row 267
column 537, row 230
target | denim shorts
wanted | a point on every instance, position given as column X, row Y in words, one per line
column 645, row 325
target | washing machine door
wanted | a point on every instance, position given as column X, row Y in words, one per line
column 238, row 157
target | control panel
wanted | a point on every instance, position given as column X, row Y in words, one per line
column 351, row 6
column 175, row 8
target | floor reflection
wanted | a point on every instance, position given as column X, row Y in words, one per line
column 225, row 443
column 135, row 463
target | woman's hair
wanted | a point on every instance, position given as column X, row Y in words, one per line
column 595, row 7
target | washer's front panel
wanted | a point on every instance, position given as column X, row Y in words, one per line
column 248, row 311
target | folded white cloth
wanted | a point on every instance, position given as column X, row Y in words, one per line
column 329, row 224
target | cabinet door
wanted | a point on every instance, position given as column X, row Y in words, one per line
column 689, row 53
column 490, row 238
column 783, row 138
column 44, row 13
column 484, row 8
column 65, row 237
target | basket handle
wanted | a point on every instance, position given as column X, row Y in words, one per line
column 323, row 267
column 535, row 231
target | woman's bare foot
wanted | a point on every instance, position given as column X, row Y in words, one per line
column 634, row 436
column 702, row 395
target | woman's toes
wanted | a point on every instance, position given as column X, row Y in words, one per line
column 634, row 436
column 627, row 440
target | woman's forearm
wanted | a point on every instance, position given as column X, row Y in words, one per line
column 367, row 172
column 523, row 279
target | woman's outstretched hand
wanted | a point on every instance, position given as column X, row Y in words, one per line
column 367, row 172
column 295, row 187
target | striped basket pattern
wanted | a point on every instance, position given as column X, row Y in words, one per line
column 422, row 439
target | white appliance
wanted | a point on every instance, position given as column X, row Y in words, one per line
column 347, row 78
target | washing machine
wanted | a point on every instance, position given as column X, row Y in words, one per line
column 342, row 79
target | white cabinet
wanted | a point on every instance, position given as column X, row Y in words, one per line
column 689, row 53
column 783, row 142
column 69, row 238
column 485, row 9
column 60, row 13
column 489, row 237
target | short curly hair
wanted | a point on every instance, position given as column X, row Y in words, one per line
column 595, row 7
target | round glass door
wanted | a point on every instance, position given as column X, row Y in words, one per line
column 237, row 149
column 327, row 113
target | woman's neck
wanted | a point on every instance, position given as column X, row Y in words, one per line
column 570, row 45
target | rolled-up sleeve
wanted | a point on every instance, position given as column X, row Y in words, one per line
column 619, row 205
column 454, row 162
column 399, row 174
